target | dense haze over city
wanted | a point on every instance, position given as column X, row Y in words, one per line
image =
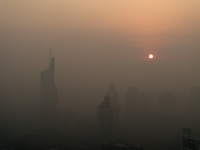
column 96, row 43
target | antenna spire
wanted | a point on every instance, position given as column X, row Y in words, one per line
column 50, row 57
column 50, row 54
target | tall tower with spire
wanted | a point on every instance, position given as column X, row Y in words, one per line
column 114, row 102
column 49, row 109
column 105, row 118
column 113, row 95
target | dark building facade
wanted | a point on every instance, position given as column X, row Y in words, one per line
column 113, row 95
column 132, row 101
column 167, row 102
column 105, row 121
column 133, row 108
column 195, row 108
column 49, row 110
column 188, row 142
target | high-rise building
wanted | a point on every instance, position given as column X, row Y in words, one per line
column 136, row 102
column 195, row 92
column 195, row 108
column 113, row 96
column 49, row 98
column 132, row 101
column 133, row 108
column 114, row 101
column 188, row 142
column 105, row 118
column 167, row 102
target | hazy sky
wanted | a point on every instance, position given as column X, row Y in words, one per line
column 99, row 42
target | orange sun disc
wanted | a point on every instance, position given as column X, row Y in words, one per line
column 151, row 56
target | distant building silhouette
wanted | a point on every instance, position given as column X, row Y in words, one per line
column 195, row 92
column 188, row 142
column 1, row 97
column 105, row 118
column 167, row 103
column 49, row 98
column 114, row 101
column 134, row 108
column 132, row 101
column 195, row 109
column 113, row 95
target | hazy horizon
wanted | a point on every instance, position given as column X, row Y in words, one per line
column 97, row 43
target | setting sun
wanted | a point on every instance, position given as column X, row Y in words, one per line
column 151, row 56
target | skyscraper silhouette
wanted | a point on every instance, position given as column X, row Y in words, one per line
column 195, row 108
column 113, row 96
column 167, row 102
column 114, row 102
column 133, row 108
column 105, row 118
column 132, row 100
column 49, row 98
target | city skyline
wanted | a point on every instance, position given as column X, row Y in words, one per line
column 142, row 56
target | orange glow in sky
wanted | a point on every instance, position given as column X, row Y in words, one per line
column 147, row 24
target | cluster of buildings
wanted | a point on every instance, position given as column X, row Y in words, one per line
column 109, row 111
column 188, row 141
column 137, row 106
